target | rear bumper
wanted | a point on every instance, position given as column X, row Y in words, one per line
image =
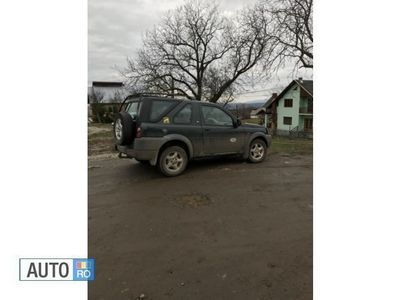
column 135, row 153
column 142, row 149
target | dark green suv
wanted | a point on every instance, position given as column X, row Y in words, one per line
column 169, row 132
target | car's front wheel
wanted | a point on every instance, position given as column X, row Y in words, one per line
column 257, row 151
column 173, row 161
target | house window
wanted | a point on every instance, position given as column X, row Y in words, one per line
column 310, row 105
column 287, row 120
column 288, row 102
column 308, row 124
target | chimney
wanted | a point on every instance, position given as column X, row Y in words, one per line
column 301, row 79
column 274, row 95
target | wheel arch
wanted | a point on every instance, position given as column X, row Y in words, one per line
column 174, row 140
column 252, row 137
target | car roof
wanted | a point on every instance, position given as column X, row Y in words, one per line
column 154, row 97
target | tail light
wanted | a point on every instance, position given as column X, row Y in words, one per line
column 138, row 132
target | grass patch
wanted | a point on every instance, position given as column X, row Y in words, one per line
column 100, row 125
column 291, row 145
column 101, row 135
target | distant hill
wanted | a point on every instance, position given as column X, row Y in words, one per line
column 254, row 104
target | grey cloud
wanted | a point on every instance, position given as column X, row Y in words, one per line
column 116, row 29
column 115, row 33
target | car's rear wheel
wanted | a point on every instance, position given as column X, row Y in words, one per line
column 173, row 161
column 257, row 151
column 124, row 128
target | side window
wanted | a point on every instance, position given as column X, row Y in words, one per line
column 215, row 116
column 184, row 116
column 159, row 108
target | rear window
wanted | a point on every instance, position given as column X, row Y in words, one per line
column 159, row 108
column 132, row 108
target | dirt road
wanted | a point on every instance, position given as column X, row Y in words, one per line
column 223, row 230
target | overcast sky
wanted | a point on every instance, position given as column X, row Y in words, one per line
column 116, row 28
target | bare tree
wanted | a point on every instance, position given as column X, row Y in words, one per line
column 199, row 54
column 96, row 96
column 117, row 97
column 242, row 111
column 293, row 28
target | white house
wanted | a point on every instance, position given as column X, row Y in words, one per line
column 107, row 91
column 291, row 112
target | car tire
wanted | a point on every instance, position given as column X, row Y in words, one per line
column 173, row 161
column 124, row 128
column 257, row 151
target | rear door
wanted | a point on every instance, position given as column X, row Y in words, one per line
column 220, row 136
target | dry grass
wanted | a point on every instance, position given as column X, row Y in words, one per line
column 100, row 139
column 291, row 145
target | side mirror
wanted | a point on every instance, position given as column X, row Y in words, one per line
column 237, row 123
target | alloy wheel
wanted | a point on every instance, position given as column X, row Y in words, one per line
column 257, row 151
